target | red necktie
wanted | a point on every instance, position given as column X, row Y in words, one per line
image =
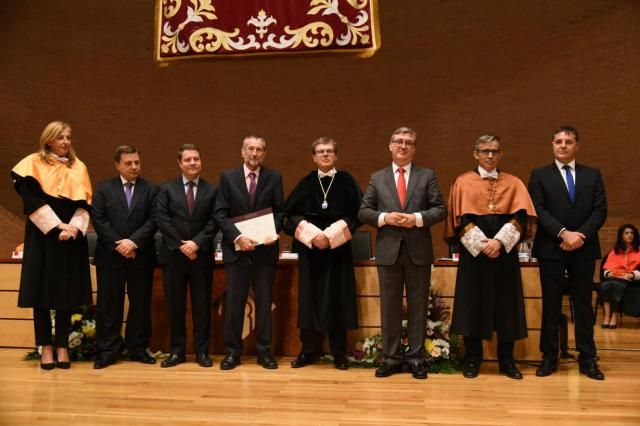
column 402, row 187
column 191, row 199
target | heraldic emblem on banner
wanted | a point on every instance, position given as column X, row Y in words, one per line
column 191, row 29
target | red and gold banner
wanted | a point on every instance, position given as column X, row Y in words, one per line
column 228, row 28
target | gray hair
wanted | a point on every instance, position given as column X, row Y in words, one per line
column 485, row 139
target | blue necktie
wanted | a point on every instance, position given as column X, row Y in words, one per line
column 128, row 192
column 571, row 186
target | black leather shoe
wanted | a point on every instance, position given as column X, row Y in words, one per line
column 142, row 357
column 47, row 365
column 303, row 360
column 230, row 362
column 591, row 370
column 418, row 370
column 172, row 361
column 471, row 369
column 267, row 362
column 386, row 370
column 203, row 360
column 103, row 362
column 341, row 362
column 547, row 367
column 510, row 370
column 63, row 365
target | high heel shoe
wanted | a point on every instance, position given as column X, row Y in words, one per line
column 603, row 325
column 613, row 325
column 47, row 365
column 64, row 365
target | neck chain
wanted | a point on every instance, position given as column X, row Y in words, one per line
column 492, row 205
column 325, row 204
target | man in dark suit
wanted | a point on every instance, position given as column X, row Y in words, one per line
column 572, row 206
column 185, row 218
column 243, row 190
column 403, row 201
column 123, row 216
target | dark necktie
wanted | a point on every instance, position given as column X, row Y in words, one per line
column 402, row 187
column 252, row 188
column 191, row 199
column 571, row 186
column 128, row 192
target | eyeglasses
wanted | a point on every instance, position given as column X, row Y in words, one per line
column 486, row 152
column 402, row 142
column 325, row 151
column 255, row 149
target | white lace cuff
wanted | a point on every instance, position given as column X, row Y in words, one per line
column 306, row 232
column 473, row 240
column 508, row 235
column 45, row 219
column 338, row 233
column 80, row 220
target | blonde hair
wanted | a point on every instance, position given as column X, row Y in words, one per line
column 50, row 133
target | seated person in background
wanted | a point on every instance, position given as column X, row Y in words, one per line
column 620, row 269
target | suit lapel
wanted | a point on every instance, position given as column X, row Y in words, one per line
column 118, row 188
column 411, row 186
column 137, row 193
column 557, row 176
column 262, row 181
column 391, row 186
column 241, row 183
column 580, row 182
column 182, row 195
column 200, row 193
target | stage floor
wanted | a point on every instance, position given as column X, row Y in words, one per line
column 135, row 394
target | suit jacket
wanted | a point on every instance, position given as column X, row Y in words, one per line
column 177, row 225
column 556, row 211
column 423, row 196
column 233, row 200
column 114, row 221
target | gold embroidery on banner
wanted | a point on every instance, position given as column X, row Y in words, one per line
column 211, row 39
column 312, row 35
column 358, row 4
column 307, row 35
column 171, row 7
column 203, row 8
column 355, row 30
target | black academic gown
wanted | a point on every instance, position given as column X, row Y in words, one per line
column 326, row 293
column 55, row 274
column 488, row 294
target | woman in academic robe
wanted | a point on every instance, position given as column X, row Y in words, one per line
column 56, row 192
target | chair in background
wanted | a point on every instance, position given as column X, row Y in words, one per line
column 361, row 245
column 596, row 288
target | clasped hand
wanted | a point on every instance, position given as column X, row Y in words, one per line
column 405, row 220
column 491, row 248
column 571, row 240
column 189, row 249
column 126, row 248
column 67, row 232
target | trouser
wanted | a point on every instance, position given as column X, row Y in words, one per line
column 473, row 350
column 312, row 341
column 404, row 274
column 42, row 327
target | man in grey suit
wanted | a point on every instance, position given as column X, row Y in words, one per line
column 403, row 201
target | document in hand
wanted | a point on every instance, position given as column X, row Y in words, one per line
column 257, row 225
